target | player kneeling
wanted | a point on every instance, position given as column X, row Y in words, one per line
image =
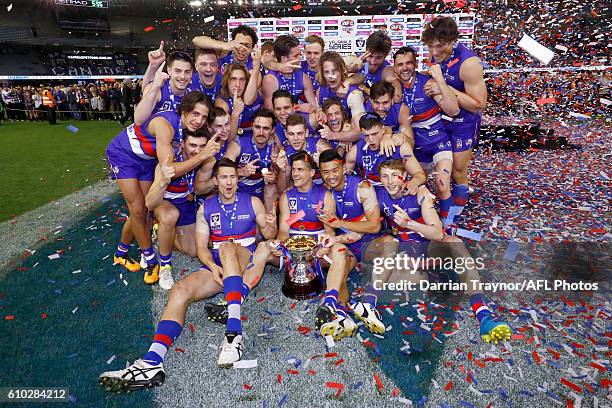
column 230, row 220
column 417, row 232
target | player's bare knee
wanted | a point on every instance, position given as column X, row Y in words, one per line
column 227, row 249
column 180, row 293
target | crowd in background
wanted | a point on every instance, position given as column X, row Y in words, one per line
column 91, row 101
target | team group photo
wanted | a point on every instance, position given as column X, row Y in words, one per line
column 277, row 203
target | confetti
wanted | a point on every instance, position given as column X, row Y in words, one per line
column 72, row 128
column 535, row 49
column 245, row 364
column 149, row 28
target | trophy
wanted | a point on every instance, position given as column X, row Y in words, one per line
column 302, row 273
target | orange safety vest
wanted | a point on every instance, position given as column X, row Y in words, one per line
column 47, row 99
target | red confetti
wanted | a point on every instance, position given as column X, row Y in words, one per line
column 9, row 317
column 536, row 357
column 448, row 386
column 379, row 383
column 191, row 328
column 312, row 372
column 293, row 372
column 279, row 378
column 180, row 350
column 571, row 385
column 44, row 316
column 598, row 366
column 335, row 385
column 329, row 355
column 337, row 363
column 297, row 7
column 247, row 386
column 149, row 28
column 167, row 21
column 395, row 392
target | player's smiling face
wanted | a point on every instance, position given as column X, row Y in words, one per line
column 207, row 66
column 247, row 41
column 195, row 119
column 282, row 109
column 180, row 74
column 382, row 105
column 296, row 136
column 373, row 136
column 392, row 180
column 440, row 50
column 227, row 182
column 191, row 146
column 332, row 174
column 404, row 66
column 301, row 173
column 335, row 117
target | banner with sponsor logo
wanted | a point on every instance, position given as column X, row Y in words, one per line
column 348, row 34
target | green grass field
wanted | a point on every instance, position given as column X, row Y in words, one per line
column 42, row 163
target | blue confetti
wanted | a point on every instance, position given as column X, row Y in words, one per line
column 466, row 404
column 358, row 385
column 511, row 251
column 72, row 128
column 282, row 400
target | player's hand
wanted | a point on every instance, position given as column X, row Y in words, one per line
column 401, row 218
column 268, row 175
column 436, row 72
column 217, row 273
column 249, row 169
column 282, row 163
column 289, row 67
column 238, row 107
column 274, row 244
column 326, row 241
column 387, row 146
column 160, row 77
column 411, row 187
column 271, row 217
column 329, row 218
column 432, row 89
column 212, row 147
column 256, row 54
column 156, row 57
column 321, row 117
column 398, row 139
column 343, row 89
column 238, row 48
column 167, row 173
column 325, row 132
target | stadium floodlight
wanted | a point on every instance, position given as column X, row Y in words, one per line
column 195, row 3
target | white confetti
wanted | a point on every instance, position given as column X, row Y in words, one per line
column 536, row 50
column 330, row 341
column 245, row 364
column 110, row 360
column 54, row 256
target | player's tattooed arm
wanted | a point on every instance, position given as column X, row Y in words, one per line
column 367, row 197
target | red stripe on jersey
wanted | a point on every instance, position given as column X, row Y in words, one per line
column 145, row 144
column 430, row 113
column 220, row 238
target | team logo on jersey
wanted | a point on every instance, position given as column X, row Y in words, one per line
column 215, row 221
column 387, row 211
column 459, row 144
column 245, row 158
column 468, row 142
column 367, row 160
column 293, row 205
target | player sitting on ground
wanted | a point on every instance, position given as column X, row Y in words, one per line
column 230, row 220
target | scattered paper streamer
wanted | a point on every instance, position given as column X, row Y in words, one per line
column 536, row 50
column 245, row 364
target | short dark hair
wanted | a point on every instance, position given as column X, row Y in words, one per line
column 381, row 88
column 179, row 56
column 282, row 93
column 405, row 50
column 328, row 156
column 283, row 45
column 216, row 112
column 379, row 42
column 296, row 119
column 189, row 101
column 369, row 120
column 301, row 155
column 246, row 30
column 205, row 51
column 224, row 162
column 265, row 113
column 443, row 29
column 201, row 132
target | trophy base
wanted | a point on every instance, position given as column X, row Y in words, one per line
column 302, row 291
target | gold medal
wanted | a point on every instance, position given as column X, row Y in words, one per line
column 394, row 231
column 240, row 131
column 302, row 228
column 190, row 197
